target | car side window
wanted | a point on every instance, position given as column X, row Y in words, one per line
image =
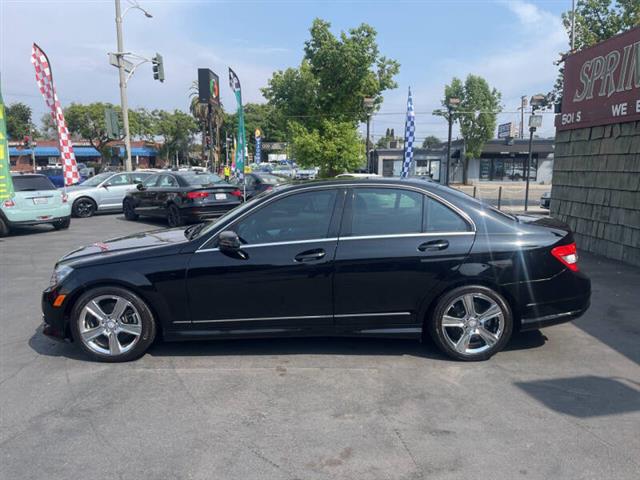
column 440, row 218
column 138, row 177
column 300, row 216
column 152, row 181
column 167, row 181
column 385, row 211
column 122, row 179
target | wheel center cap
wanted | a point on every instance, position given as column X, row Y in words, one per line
column 111, row 324
column 473, row 323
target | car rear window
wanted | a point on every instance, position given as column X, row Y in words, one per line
column 201, row 178
column 31, row 183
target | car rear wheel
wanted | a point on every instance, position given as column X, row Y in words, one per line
column 84, row 207
column 471, row 323
column 112, row 324
column 174, row 217
column 62, row 224
column 129, row 211
column 4, row 228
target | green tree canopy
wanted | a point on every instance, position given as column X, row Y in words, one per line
column 476, row 113
column 335, row 147
column 321, row 101
column 596, row 21
column 19, row 121
column 431, row 141
column 177, row 130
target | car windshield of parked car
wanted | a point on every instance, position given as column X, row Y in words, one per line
column 30, row 183
column 201, row 179
column 96, row 180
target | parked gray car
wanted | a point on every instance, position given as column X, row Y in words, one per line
column 103, row 192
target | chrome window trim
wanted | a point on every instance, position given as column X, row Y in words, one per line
column 277, row 196
column 275, row 244
column 407, row 235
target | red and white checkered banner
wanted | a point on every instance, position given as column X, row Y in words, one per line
column 45, row 83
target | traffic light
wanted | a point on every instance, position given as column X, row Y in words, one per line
column 158, row 67
column 112, row 123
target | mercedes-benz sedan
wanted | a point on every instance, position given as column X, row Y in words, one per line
column 360, row 258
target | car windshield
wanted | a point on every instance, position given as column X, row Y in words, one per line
column 29, row 183
column 201, row 178
column 96, row 180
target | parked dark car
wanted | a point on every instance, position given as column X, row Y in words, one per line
column 56, row 176
column 258, row 183
column 181, row 197
column 359, row 258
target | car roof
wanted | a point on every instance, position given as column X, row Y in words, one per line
column 28, row 175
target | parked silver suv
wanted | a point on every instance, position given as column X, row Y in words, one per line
column 103, row 192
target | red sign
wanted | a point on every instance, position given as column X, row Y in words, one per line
column 602, row 83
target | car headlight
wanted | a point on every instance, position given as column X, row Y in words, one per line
column 59, row 274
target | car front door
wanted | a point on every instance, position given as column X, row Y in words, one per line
column 165, row 188
column 282, row 279
column 396, row 244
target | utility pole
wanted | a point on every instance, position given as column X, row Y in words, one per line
column 451, row 104
column 535, row 121
column 368, row 103
column 573, row 25
column 123, row 89
column 523, row 105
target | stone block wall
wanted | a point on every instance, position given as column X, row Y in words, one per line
column 596, row 188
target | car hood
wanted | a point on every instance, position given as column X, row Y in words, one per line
column 131, row 243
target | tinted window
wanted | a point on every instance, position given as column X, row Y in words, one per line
column 28, row 183
column 96, row 179
column 167, row 181
column 384, row 211
column 152, row 181
column 201, row 178
column 139, row 177
column 440, row 218
column 302, row 216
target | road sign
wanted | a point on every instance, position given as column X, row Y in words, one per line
column 128, row 66
column 507, row 130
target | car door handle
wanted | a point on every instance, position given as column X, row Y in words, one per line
column 310, row 255
column 433, row 245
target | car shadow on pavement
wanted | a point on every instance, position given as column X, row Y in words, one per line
column 151, row 221
column 585, row 396
column 283, row 346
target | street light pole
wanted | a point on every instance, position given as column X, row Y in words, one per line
column 527, row 169
column 368, row 103
column 123, row 89
column 535, row 121
column 446, row 169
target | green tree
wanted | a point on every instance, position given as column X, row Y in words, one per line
column 596, row 20
column 323, row 98
column 177, row 130
column 476, row 114
column 19, row 121
column 389, row 136
column 335, row 147
column 431, row 141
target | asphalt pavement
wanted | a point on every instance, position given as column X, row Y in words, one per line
column 560, row 403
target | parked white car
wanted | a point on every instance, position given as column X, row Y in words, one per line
column 103, row 192
column 307, row 173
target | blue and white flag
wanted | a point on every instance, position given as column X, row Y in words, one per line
column 409, row 137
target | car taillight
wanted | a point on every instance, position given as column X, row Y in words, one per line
column 65, row 198
column 236, row 193
column 193, row 195
column 9, row 203
column 268, row 189
column 568, row 255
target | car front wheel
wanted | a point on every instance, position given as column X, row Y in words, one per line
column 471, row 323
column 84, row 207
column 112, row 324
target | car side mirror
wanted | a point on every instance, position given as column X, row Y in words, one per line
column 141, row 187
column 229, row 241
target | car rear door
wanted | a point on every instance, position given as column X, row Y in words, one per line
column 395, row 245
column 113, row 191
column 282, row 281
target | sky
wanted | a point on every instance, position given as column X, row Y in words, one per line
column 511, row 43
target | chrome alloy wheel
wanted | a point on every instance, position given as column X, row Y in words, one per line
column 472, row 323
column 110, row 325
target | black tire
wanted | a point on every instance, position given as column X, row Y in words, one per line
column 453, row 303
column 145, row 317
column 84, row 207
column 174, row 217
column 4, row 228
column 129, row 212
column 62, row 224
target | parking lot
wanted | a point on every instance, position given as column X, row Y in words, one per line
column 559, row 403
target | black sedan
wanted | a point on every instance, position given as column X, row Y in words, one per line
column 259, row 182
column 361, row 258
column 181, row 197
